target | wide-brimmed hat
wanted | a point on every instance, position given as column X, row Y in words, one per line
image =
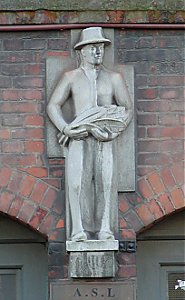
column 91, row 35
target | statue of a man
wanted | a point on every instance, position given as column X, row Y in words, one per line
column 103, row 110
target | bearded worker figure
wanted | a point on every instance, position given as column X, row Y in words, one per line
column 103, row 110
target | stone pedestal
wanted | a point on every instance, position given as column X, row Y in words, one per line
column 92, row 259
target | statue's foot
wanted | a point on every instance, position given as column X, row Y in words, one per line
column 105, row 235
column 79, row 237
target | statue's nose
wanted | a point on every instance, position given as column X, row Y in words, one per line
column 97, row 51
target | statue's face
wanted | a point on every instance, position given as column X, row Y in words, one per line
column 93, row 53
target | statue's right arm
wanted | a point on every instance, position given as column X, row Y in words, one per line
column 58, row 98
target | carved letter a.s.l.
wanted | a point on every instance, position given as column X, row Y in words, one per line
column 77, row 293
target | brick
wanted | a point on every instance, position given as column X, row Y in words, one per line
column 37, row 172
column 145, row 214
column 147, row 119
column 133, row 220
column 15, row 182
column 21, row 107
column 123, row 205
column 38, row 217
column 38, row 192
column 5, row 175
column 60, row 223
column 168, row 178
column 18, row 159
column 149, row 146
column 148, row 94
column 6, row 199
column 12, row 147
column 169, row 120
column 144, row 189
column 126, row 271
column 156, row 183
column 15, row 206
column 122, row 224
column 127, row 259
column 177, row 106
column 26, row 211
column 182, row 120
column 56, row 183
column 154, row 106
column 143, row 170
column 58, row 53
column 171, row 80
column 27, row 186
column 28, row 82
column 13, row 44
column 5, row 134
column 49, row 198
column 34, row 147
column 153, row 132
column 20, row 94
column 33, row 69
column 34, row 43
column 178, row 198
column 166, row 203
column 141, row 132
column 178, row 173
column 57, row 44
column 171, row 146
column 173, row 132
column 11, row 69
column 34, row 120
column 56, row 171
column 5, row 81
column 154, row 159
column 169, row 94
column 13, row 120
column 56, row 161
column 155, row 209
column 46, row 224
column 128, row 234
column 28, row 133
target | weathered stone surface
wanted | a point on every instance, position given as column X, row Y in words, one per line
column 90, row 5
column 92, row 264
column 92, row 245
column 91, row 291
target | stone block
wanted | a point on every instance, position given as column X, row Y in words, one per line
column 92, row 245
column 93, row 290
column 92, row 264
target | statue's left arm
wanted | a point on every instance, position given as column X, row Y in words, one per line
column 122, row 96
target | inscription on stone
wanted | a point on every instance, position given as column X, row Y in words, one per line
column 91, row 291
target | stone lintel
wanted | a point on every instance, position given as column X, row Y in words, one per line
column 92, row 245
column 92, row 264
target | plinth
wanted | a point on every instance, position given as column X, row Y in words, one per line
column 92, row 258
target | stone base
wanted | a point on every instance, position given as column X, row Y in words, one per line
column 92, row 264
column 92, row 245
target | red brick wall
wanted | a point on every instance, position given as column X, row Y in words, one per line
column 32, row 186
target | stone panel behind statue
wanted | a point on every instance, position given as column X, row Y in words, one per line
column 92, row 107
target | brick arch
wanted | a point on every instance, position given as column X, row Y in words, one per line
column 31, row 201
column 159, row 194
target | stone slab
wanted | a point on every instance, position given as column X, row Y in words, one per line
column 63, row 290
column 92, row 264
column 92, row 245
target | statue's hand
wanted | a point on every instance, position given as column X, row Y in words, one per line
column 76, row 134
column 103, row 135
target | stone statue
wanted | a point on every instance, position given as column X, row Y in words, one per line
column 102, row 110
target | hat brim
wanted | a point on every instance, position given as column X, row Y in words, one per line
column 79, row 45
